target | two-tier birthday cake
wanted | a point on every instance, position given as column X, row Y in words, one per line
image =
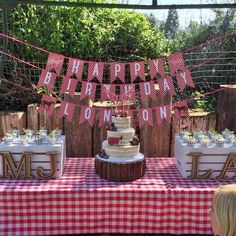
column 121, row 148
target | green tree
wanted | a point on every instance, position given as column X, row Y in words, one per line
column 172, row 24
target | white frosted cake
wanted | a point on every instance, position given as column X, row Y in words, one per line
column 121, row 144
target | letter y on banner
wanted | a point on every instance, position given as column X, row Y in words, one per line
column 55, row 61
column 184, row 78
column 156, row 67
column 176, row 62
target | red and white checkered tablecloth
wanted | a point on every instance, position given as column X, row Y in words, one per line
column 81, row 202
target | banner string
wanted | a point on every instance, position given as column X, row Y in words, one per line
column 183, row 51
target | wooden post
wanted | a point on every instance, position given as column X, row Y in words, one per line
column 155, row 141
column 78, row 137
column 226, row 109
column 52, row 122
column 32, row 117
column 8, row 120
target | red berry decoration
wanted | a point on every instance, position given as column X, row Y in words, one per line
column 135, row 141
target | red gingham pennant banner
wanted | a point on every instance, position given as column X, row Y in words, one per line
column 47, row 79
column 75, row 66
column 137, row 69
column 176, row 62
column 107, row 91
column 184, row 78
column 180, row 104
column 55, row 61
column 47, row 104
column 95, row 69
column 145, row 117
column 104, row 116
column 156, row 67
column 88, row 90
column 166, row 86
column 68, row 85
column 117, row 70
column 87, row 113
column 180, row 109
column 127, row 91
column 147, row 89
column 67, row 109
column 163, row 113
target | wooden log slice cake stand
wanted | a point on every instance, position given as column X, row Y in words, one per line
column 120, row 171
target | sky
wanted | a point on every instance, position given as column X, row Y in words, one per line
column 185, row 15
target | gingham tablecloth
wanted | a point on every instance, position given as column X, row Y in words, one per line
column 81, row 202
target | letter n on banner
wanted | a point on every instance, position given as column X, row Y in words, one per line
column 47, row 79
column 68, row 85
column 163, row 113
column 87, row 113
column 184, row 78
column 47, row 104
column 75, row 66
column 145, row 117
column 88, row 90
column 147, row 89
column 55, row 61
column 104, row 116
column 176, row 62
column 67, row 109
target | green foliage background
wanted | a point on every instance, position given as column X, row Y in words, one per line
column 104, row 35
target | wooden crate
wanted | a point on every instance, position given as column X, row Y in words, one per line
column 210, row 159
column 42, row 161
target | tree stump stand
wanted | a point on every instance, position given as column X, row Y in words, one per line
column 120, row 172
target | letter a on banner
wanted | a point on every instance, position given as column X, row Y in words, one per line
column 176, row 62
column 55, row 61
column 163, row 113
column 117, row 70
column 184, row 78
column 67, row 109
column 145, row 117
column 156, row 67
column 137, row 69
column 68, row 85
column 87, row 113
column 88, row 90
column 104, row 116
column 147, row 89
column 47, row 104
column 75, row 66
column 166, row 86
column 47, row 79
column 95, row 69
